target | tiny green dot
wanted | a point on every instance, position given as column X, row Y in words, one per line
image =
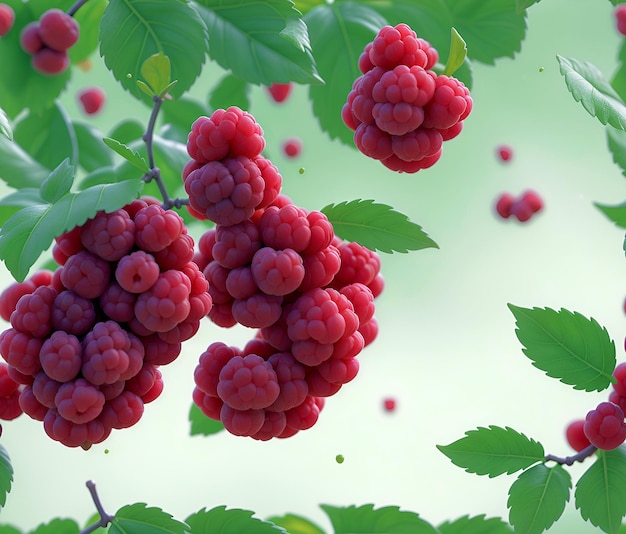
column 106, row 451
column 301, row 170
column 541, row 69
column 339, row 458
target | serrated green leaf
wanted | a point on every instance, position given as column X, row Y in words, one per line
column 8, row 529
column 103, row 175
column 294, row 524
column 617, row 145
column 157, row 71
column 259, row 41
column 233, row 521
column 92, row 152
column 230, row 91
column 458, row 52
column 601, row 491
column 128, row 154
column 538, row 497
column 475, row 525
column 6, row 475
column 57, row 526
column 589, row 87
column 145, row 89
column 13, row 202
column 367, row 520
column 48, row 136
column 133, row 30
column 493, row 451
column 339, row 33
column 5, row 126
column 138, row 518
column 127, row 131
column 31, row 230
column 17, row 168
column 58, row 182
column 617, row 214
column 376, row 226
column 201, row 425
column 521, row 5
column 568, row 346
column 88, row 18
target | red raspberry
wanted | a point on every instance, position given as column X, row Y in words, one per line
column 139, row 203
column 155, row 391
column 616, row 398
column 79, row 401
column 61, row 357
column 377, row 285
column 10, row 407
column 109, row 235
column 227, row 133
column 389, row 404
column 58, row 30
column 360, row 97
column 158, row 351
column 319, row 386
column 620, row 18
column 504, row 153
column 181, row 332
column 177, row 254
column 74, row 434
column 166, row 303
column 70, row 242
column 605, row 427
column 279, row 92
column 310, row 352
column 260, row 347
column 248, row 383
column 117, row 303
column 227, row 191
column 32, row 312
column 277, row 272
column 143, row 381
column 257, row 311
column 45, row 389
column 92, row 100
column 12, row 294
column 291, row 380
column 400, row 45
column 286, row 227
column 19, row 377
column 217, row 275
column 348, row 346
column 199, row 298
column 369, row 330
column 399, row 165
column 137, row 272
column 522, row 211
column 235, row 245
column 86, row 274
column 532, row 200
column 156, row 228
column 417, row 144
column 204, row 253
column 276, row 334
column 272, row 178
column 452, row 132
column 242, row 422
column 240, row 284
column 358, row 264
column 373, row 142
column 123, row 411
column 576, row 436
column 210, row 406
column 504, row 204
column 72, row 313
column 212, row 360
column 304, row 415
column 273, row 426
column 110, row 391
column 339, row 371
column 48, row 61
column 105, row 353
column 29, row 38
column 362, row 300
column 31, row 406
column 450, row 104
column 7, row 18
column 292, row 147
column 620, row 375
column 8, row 386
column 322, row 232
column 365, row 64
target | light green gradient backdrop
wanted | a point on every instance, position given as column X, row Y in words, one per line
column 446, row 350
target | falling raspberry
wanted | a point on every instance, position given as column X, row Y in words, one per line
column 620, row 18
column 292, row 147
column 7, row 18
column 279, row 92
column 389, row 404
column 504, row 153
column 92, row 99
column 522, row 208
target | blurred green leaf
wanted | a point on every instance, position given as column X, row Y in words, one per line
column 57, row 526
column 138, row 518
column 521, row 5
column 230, row 91
column 6, row 475
column 127, row 131
column 617, row 214
column 233, row 521
column 367, row 520
column 475, row 525
column 17, row 168
column 183, row 112
column 201, row 425
column 8, row 529
column 566, row 345
column 294, row 524
column 92, row 152
column 617, row 145
column 5, row 126
column 88, row 18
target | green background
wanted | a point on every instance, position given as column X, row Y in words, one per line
column 446, row 351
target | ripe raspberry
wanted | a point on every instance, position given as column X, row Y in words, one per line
column 362, row 300
column 339, row 371
column 248, row 383
column 123, row 411
column 50, row 62
column 504, row 204
column 143, row 381
column 365, row 64
column 620, row 18
column 45, row 389
column 319, row 386
column 72, row 313
column 79, row 401
column 12, row 294
column 10, row 407
column 109, row 235
column 227, row 133
column 389, row 404
column 272, row 178
column 137, row 272
column 399, row 165
column 210, row 406
column 310, row 352
column 32, row 312
column 605, row 427
column 358, row 264
column 31, row 406
column 504, row 153
column 291, row 380
column 522, row 211
column 176, row 255
column 110, row 391
column 322, row 232
column 242, row 422
column 19, row 377
column 199, row 298
column 348, row 346
column 86, row 274
column 276, row 334
column 373, row 142
column 210, row 364
column 166, row 303
column 620, row 375
column 279, row 92
column 105, row 353
column 58, row 30
column 240, row 284
column 450, row 104
column 158, row 351
column 286, row 227
column 304, row 415
column 417, row 144
column 377, row 285
column 532, row 200
column 139, row 203
column 576, row 436
column 92, row 100
column 360, row 98
column 7, row 18
column 235, row 245
column 273, row 426
column 258, row 311
column 181, row 332
column 29, row 38
column 61, row 357
column 222, row 314
column 8, row 386
column 400, row 45
column 369, row 330
column 117, row 303
column 277, row 272
column 217, row 275
column 292, row 147
column 70, row 242
column 260, row 347
column 205, row 249
column 155, row 391
column 156, row 228
column 74, row 434
column 452, row 132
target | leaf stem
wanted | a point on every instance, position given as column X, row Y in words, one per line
column 570, row 460
column 72, row 10
column 105, row 518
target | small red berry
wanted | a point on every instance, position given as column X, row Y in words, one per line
column 7, row 18
column 532, row 200
column 92, row 99
column 576, row 436
column 29, row 38
column 504, row 204
column 58, row 30
column 605, row 427
column 521, row 210
column 280, row 91
column 620, row 18
column 48, row 61
column 389, row 404
column 504, row 152
column 292, row 147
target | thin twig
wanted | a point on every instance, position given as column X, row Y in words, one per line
column 105, row 518
column 72, row 10
column 570, row 460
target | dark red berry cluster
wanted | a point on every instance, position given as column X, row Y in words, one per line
column 48, row 40
column 86, row 341
column 280, row 269
column 401, row 111
column 523, row 207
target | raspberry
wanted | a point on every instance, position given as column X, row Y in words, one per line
column 58, row 30
column 417, row 145
column 360, row 97
column 369, row 330
column 19, row 377
column 273, row 426
column 92, row 100
column 210, row 406
column 61, row 356
column 117, row 303
column 258, row 311
column 322, row 232
column 260, row 347
column 137, row 272
column 222, row 315
column 358, row 264
column 377, row 285
column 110, row 391
column 211, row 363
column 319, row 386
column 242, row 422
column 79, row 401
column 29, row 38
column 286, row 227
column 400, row 45
column 522, row 211
column 70, row 242
column 136, row 353
column 12, row 294
column 217, row 275
column 156, row 228
column 31, row 406
column 276, row 334
column 272, row 178
column 139, row 203
column 620, row 18
column 292, row 147
column 10, row 407
column 450, row 104
column 177, row 254
column 204, row 254
column 373, row 142
column 504, row 153
column 291, row 380
column 504, row 204
column 227, row 191
column 389, row 404
column 7, row 18
column 399, row 165
column 158, row 351
column 248, row 383
column 8, row 386
column 48, row 61
column 365, row 64
column 74, row 434
column 362, row 300
column 166, row 303
column 72, row 314
column 277, row 272
column 199, row 298
column 143, row 381
column 105, row 353
column 348, row 346
column 86, row 274
column 155, row 391
column 32, row 312
column 576, row 436
column 532, row 200
column 181, row 332
column 227, row 133
column 279, row 92
column 123, row 411
column 236, row 244
column 45, row 389
column 620, row 375
column 240, row 284
column 452, row 132
column 304, row 415
column 339, row 371
column 605, row 427
column 310, row 352
column 109, row 235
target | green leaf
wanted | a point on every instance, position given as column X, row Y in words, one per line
column 201, row 425
column 31, row 230
column 259, row 41
column 230, row 91
column 8, row 529
column 339, row 33
column 157, row 72
column 138, row 518
column 128, row 154
column 9, row 204
column 48, row 136
column 588, row 86
column 92, row 152
column 294, row 524
column 568, row 346
column 58, row 183
column 617, row 214
column 5, row 126
column 17, row 168
column 103, row 175
column 458, row 52
column 475, row 525
column 367, row 520
column 133, row 30
column 376, row 226
column 233, row 521
column 493, row 451
column 6, row 475
column 127, row 131
column 538, row 497
column 57, row 526
column 601, row 492
column 617, row 145
column 88, row 18
column 521, row 5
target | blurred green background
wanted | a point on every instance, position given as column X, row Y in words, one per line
column 446, row 351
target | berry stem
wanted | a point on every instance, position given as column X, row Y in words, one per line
column 570, row 460
column 72, row 10
column 105, row 518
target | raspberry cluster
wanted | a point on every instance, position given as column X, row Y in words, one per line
column 523, row 207
column 281, row 270
column 401, row 111
column 86, row 342
column 48, row 40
